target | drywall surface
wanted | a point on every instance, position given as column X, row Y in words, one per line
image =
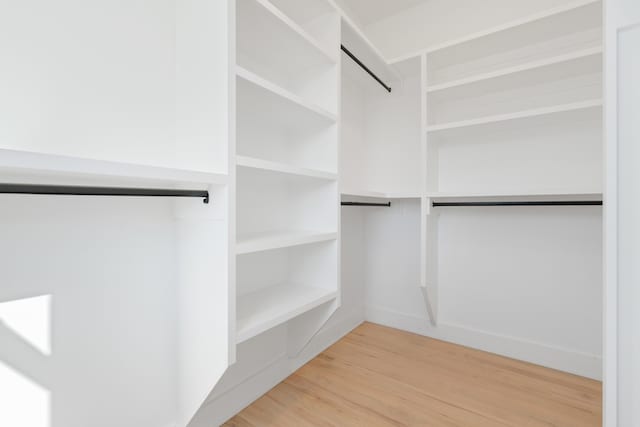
column 87, row 312
column 523, row 282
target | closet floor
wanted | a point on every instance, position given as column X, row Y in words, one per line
column 379, row 376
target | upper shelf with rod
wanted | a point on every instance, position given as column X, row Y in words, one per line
column 25, row 166
column 533, row 198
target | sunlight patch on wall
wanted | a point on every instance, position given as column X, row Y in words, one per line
column 23, row 403
column 29, row 318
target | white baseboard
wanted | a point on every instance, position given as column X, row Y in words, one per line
column 563, row 359
column 224, row 406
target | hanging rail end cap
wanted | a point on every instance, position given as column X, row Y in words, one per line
column 206, row 199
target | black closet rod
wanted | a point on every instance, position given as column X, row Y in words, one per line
column 72, row 190
column 380, row 205
column 526, row 203
column 364, row 67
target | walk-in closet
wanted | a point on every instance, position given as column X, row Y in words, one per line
column 278, row 213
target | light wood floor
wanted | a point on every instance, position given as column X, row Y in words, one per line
column 378, row 376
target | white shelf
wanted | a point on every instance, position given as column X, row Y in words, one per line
column 499, row 28
column 286, row 38
column 534, row 65
column 585, row 105
column 262, row 310
column 256, row 242
column 255, row 163
column 288, row 99
column 537, row 195
column 380, row 195
column 317, row 17
column 31, row 164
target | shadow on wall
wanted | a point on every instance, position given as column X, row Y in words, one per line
column 87, row 313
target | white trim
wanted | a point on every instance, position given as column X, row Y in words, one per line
column 563, row 359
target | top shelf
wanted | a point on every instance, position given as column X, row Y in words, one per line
column 264, row 29
column 31, row 166
column 518, row 24
column 535, row 42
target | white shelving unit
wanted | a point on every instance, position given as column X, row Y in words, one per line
column 286, row 165
column 563, row 30
column 512, row 114
column 268, row 39
column 277, row 126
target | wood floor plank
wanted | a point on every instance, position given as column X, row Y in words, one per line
column 512, row 404
column 379, row 376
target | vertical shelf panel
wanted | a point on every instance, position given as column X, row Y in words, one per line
column 287, row 191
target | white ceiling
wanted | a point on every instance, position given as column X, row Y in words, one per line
column 369, row 11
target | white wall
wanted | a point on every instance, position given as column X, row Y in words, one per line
column 380, row 132
column 533, row 274
column 523, row 282
column 136, row 81
column 354, row 171
column 392, row 263
column 108, row 267
column 391, row 149
column 437, row 21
